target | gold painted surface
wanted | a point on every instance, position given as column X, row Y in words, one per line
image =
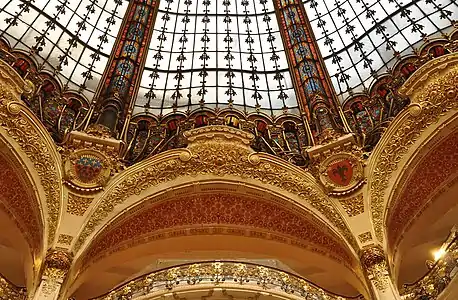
column 353, row 206
column 365, row 237
column 219, row 151
column 219, row 274
column 433, row 93
column 9, row 291
column 65, row 239
column 78, row 205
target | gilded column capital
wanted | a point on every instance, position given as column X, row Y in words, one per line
column 58, row 259
column 373, row 261
column 56, row 265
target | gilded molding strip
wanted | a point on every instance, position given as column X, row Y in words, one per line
column 217, row 153
column 21, row 126
column 437, row 95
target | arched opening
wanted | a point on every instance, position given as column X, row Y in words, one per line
column 215, row 224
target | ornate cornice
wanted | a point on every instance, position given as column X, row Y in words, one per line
column 433, row 92
column 33, row 140
column 218, row 151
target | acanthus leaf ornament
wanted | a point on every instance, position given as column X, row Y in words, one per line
column 431, row 89
column 220, row 151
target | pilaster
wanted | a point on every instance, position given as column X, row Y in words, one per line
column 56, row 266
column 374, row 263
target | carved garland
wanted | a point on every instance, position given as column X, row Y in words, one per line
column 217, row 154
column 439, row 96
column 22, row 129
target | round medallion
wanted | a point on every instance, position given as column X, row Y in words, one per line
column 341, row 173
column 87, row 170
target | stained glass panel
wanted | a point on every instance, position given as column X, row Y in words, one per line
column 73, row 38
column 214, row 54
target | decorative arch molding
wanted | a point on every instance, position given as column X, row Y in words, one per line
column 33, row 144
column 217, row 211
column 20, row 197
column 20, row 204
column 434, row 100
column 432, row 167
column 213, row 153
column 428, row 174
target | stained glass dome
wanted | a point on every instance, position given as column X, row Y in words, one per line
column 360, row 39
column 216, row 52
column 223, row 53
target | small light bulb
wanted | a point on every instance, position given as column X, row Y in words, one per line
column 438, row 254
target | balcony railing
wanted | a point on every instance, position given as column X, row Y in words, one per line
column 220, row 274
column 9, row 291
column 439, row 276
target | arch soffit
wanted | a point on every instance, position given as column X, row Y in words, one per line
column 217, row 158
column 217, row 209
column 214, row 211
column 31, row 141
column 146, row 257
column 434, row 102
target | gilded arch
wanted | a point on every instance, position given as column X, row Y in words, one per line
column 213, row 152
column 218, row 212
column 22, row 127
column 433, row 95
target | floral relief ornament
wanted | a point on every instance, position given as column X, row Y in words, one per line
column 87, row 169
column 19, row 122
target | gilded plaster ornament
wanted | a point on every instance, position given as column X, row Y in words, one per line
column 353, row 206
column 21, row 125
column 365, row 237
column 87, row 170
column 56, row 266
column 65, row 239
column 374, row 264
column 341, row 173
column 219, row 274
column 433, row 91
column 77, row 205
column 219, row 151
